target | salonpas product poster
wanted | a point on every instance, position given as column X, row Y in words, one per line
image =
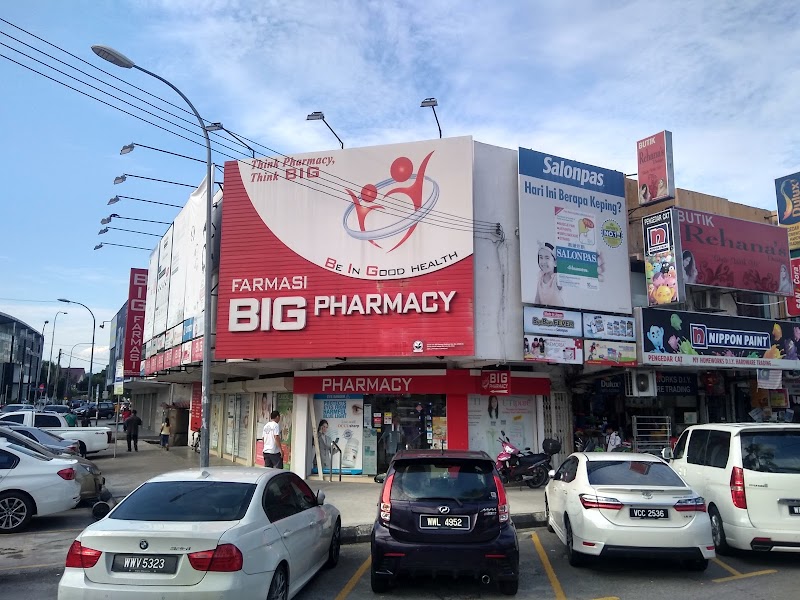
column 573, row 229
column 345, row 426
column 487, row 416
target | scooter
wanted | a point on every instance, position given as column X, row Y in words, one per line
column 517, row 466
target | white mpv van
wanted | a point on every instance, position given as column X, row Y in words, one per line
column 749, row 475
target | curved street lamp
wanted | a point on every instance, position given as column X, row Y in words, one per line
column 91, row 357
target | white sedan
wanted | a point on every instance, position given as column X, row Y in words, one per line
column 622, row 504
column 206, row 533
column 33, row 484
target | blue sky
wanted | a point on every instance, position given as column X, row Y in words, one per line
column 583, row 80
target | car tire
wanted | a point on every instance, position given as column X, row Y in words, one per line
column 718, row 531
column 379, row 584
column 698, row 564
column 279, row 586
column 335, row 547
column 509, row 588
column 16, row 511
column 547, row 515
column 575, row 558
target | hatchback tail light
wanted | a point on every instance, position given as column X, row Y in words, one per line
column 697, row 504
column 502, row 501
column 385, row 511
column 737, row 488
column 592, row 501
column 67, row 474
column 81, row 557
column 224, row 558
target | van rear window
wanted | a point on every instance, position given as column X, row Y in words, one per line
column 771, row 451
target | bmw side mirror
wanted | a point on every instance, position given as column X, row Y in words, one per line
column 551, row 474
column 666, row 453
column 320, row 497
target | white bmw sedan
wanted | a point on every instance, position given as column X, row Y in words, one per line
column 219, row 532
column 621, row 504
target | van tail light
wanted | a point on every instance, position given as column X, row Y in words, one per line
column 592, row 501
column 697, row 504
column 81, row 557
column 67, row 474
column 503, row 510
column 386, row 500
column 225, row 558
column 737, row 488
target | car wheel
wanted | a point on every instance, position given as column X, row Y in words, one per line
column 380, row 585
column 336, row 544
column 509, row 588
column 547, row 515
column 718, row 531
column 16, row 510
column 82, row 449
column 279, row 587
column 699, row 564
column 576, row 559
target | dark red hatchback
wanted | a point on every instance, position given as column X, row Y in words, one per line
column 444, row 512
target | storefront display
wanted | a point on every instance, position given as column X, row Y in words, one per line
column 343, row 416
column 489, row 415
column 284, row 404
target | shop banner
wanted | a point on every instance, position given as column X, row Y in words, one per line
column 487, row 416
column 787, row 189
column 119, row 378
column 676, row 384
column 573, row 232
column 557, row 350
column 723, row 252
column 150, row 305
column 608, row 327
column 377, row 270
column 662, row 251
column 655, row 168
column 676, row 338
column 284, row 404
column 163, row 278
column 793, row 303
column 196, row 409
column 609, row 386
column 496, row 382
column 551, row 321
column 345, row 427
column 611, row 354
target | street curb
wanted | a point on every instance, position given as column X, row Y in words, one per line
column 357, row 534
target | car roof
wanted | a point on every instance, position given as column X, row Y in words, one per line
column 431, row 454
column 219, row 474
column 744, row 426
column 620, row 456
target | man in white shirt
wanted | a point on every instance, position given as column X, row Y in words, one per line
column 272, row 442
column 613, row 439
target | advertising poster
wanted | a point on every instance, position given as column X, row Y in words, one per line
column 793, row 302
column 162, row 283
column 608, row 327
column 487, row 416
column 345, row 426
column 665, row 268
column 370, row 462
column 196, row 407
column 178, row 269
column 150, row 305
column 612, row 354
column 655, row 171
column 386, row 264
column 284, row 404
column 263, row 409
column 722, row 252
column 676, row 338
column 119, row 378
column 194, row 287
column 573, row 234
column 545, row 349
column 787, row 190
column 551, row 321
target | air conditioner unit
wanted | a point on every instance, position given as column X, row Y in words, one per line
column 640, row 383
column 707, row 301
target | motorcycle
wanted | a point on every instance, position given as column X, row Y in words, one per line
column 516, row 466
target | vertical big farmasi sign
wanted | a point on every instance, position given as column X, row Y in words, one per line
column 358, row 252
column 573, row 234
column 134, row 323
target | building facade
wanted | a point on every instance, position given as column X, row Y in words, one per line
column 21, row 349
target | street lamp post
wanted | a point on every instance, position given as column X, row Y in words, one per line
column 91, row 357
column 50, row 361
column 120, row 60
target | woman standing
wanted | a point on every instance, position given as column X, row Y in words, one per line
column 165, row 434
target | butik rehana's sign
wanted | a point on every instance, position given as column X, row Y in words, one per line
column 573, row 234
column 655, row 168
column 362, row 252
column 677, row 338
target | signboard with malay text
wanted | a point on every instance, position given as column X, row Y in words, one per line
column 655, row 168
column 664, row 276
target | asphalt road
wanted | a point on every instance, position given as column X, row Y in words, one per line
column 545, row 575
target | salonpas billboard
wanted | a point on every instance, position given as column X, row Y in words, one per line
column 573, row 229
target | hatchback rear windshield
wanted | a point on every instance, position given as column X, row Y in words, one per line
column 461, row 480
column 186, row 501
column 771, row 451
column 632, row 472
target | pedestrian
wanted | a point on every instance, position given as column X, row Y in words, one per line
column 126, row 412
column 272, row 441
column 613, row 440
column 70, row 418
column 165, row 434
column 131, row 427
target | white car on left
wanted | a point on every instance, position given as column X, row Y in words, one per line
column 34, row 484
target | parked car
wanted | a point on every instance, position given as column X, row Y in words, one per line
column 749, row 474
column 73, row 404
column 51, row 441
column 34, row 484
column 87, row 473
column 16, row 407
column 106, row 410
column 90, row 439
column 57, row 408
column 614, row 504
column 444, row 512
column 213, row 532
